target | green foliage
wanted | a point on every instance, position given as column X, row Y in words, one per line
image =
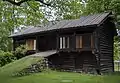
column 20, row 51
column 71, row 9
column 6, row 57
column 14, row 17
column 64, row 9
column 117, row 48
column 98, row 6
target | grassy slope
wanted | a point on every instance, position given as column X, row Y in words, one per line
column 49, row 77
column 8, row 70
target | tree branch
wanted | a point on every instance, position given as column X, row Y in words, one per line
column 42, row 1
column 22, row 1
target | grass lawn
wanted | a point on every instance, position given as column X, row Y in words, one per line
column 49, row 77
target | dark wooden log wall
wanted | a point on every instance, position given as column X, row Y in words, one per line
column 102, row 58
column 62, row 61
column 105, row 46
column 46, row 42
column 85, row 61
column 73, row 61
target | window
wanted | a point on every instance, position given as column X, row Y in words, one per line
column 78, row 41
column 64, row 42
column 84, row 41
column 31, row 44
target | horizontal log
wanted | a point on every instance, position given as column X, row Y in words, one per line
column 105, row 45
column 106, row 58
column 103, row 62
column 106, row 69
column 107, row 64
column 106, row 53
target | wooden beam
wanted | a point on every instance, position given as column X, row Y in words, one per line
column 92, row 42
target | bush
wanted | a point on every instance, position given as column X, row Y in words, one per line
column 6, row 57
column 20, row 51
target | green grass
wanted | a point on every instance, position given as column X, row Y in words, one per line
column 50, row 77
column 7, row 71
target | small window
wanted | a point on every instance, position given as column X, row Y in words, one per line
column 84, row 41
column 64, row 42
column 31, row 44
column 78, row 41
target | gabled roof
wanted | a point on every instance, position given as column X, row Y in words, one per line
column 89, row 20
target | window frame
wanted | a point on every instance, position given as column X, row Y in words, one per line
column 31, row 44
column 64, row 42
column 67, row 41
column 80, row 40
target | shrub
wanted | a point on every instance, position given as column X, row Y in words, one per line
column 20, row 51
column 6, row 57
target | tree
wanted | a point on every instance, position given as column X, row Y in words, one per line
column 117, row 48
column 67, row 9
column 98, row 6
column 12, row 17
column 19, row 2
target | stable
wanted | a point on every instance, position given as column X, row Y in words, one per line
column 84, row 44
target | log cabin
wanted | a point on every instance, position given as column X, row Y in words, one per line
column 80, row 45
